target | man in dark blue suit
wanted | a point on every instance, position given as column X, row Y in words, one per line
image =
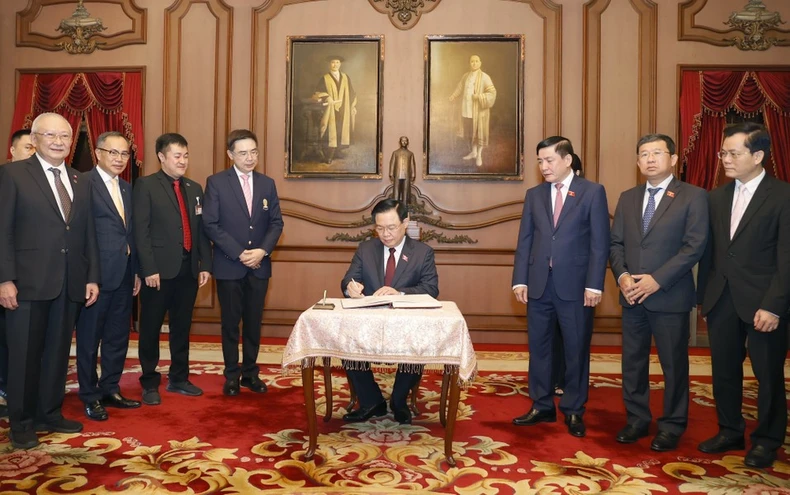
column 242, row 218
column 390, row 264
column 559, row 269
column 107, row 322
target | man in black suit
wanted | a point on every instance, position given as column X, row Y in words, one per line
column 744, row 287
column 390, row 264
column 659, row 233
column 175, row 259
column 109, row 319
column 242, row 217
column 49, row 269
column 21, row 149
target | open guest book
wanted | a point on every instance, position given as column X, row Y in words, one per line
column 407, row 301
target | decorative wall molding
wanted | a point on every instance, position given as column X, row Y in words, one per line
column 404, row 14
column 25, row 37
column 591, row 67
column 174, row 15
column 689, row 30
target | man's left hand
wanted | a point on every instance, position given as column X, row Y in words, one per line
column 387, row 291
column 765, row 321
column 645, row 286
column 203, row 278
column 591, row 299
column 91, row 294
column 137, row 285
column 251, row 258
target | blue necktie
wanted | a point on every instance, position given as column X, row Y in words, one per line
column 651, row 208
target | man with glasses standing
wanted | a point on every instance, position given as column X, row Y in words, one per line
column 744, row 288
column 390, row 264
column 242, row 217
column 49, row 269
column 107, row 322
column 659, row 233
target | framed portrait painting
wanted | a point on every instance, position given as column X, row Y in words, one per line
column 333, row 114
column 474, row 103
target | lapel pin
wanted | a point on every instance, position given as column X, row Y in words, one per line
column 186, row 183
column 265, row 204
column 670, row 194
column 405, row 258
column 571, row 194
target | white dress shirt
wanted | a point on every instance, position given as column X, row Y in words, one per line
column 64, row 177
column 398, row 250
column 751, row 187
column 662, row 187
column 108, row 182
column 239, row 173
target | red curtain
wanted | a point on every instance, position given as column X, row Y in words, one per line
column 107, row 101
column 705, row 99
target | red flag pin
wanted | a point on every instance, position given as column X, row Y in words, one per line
column 405, row 258
column 670, row 194
column 571, row 194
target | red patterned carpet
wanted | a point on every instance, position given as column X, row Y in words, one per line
column 251, row 443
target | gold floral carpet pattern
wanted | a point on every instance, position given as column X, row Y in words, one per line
column 253, row 443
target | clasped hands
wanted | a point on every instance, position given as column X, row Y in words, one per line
column 251, row 258
column 355, row 290
column 637, row 288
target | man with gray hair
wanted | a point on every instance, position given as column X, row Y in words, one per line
column 49, row 269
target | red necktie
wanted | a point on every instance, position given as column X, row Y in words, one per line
column 184, row 215
column 389, row 274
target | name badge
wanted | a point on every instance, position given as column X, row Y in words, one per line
column 265, row 205
column 198, row 208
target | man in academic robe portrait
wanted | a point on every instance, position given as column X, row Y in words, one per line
column 744, row 288
column 107, row 323
column 49, row 269
column 175, row 260
column 338, row 120
column 242, row 218
column 558, row 272
column 21, row 149
column 659, row 234
column 477, row 95
column 389, row 264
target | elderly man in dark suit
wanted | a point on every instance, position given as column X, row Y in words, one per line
column 659, row 233
column 242, row 218
column 175, row 259
column 744, row 287
column 107, row 322
column 559, row 268
column 49, row 269
column 390, row 264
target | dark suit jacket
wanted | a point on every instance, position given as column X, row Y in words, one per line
column 113, row 236
column 579, row 246
column 157, row 227
column 228, row 224
column 756, row 262
column 34, row 236
column 674, row 242
column 415, row 272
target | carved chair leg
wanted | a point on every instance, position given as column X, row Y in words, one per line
column 443, row 397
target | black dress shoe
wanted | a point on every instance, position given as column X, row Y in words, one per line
column 760, row 457
column 95, row 411
column 720, row 444
column 665, row 441
column 151, row 397
column 364, row 414
column 255, row 384
column 630, row 434
column 534, row 417
column 575, row 425
column 62, row 425
column 184, row 388
column 26, row 439
column 119, row 401
column 231, row 387
column 402, row 413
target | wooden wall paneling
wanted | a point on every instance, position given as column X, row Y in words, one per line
column 25, row 37
column 689, row 30
column 196, row 95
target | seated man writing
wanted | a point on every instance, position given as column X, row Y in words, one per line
column 391, row 264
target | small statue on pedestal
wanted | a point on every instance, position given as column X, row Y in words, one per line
column 402, row 172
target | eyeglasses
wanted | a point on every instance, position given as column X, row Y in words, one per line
column 380, row 229
column 244, row 154
column 51, row 136
column 115, row 154
column 734, row 154
column 655, row 154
